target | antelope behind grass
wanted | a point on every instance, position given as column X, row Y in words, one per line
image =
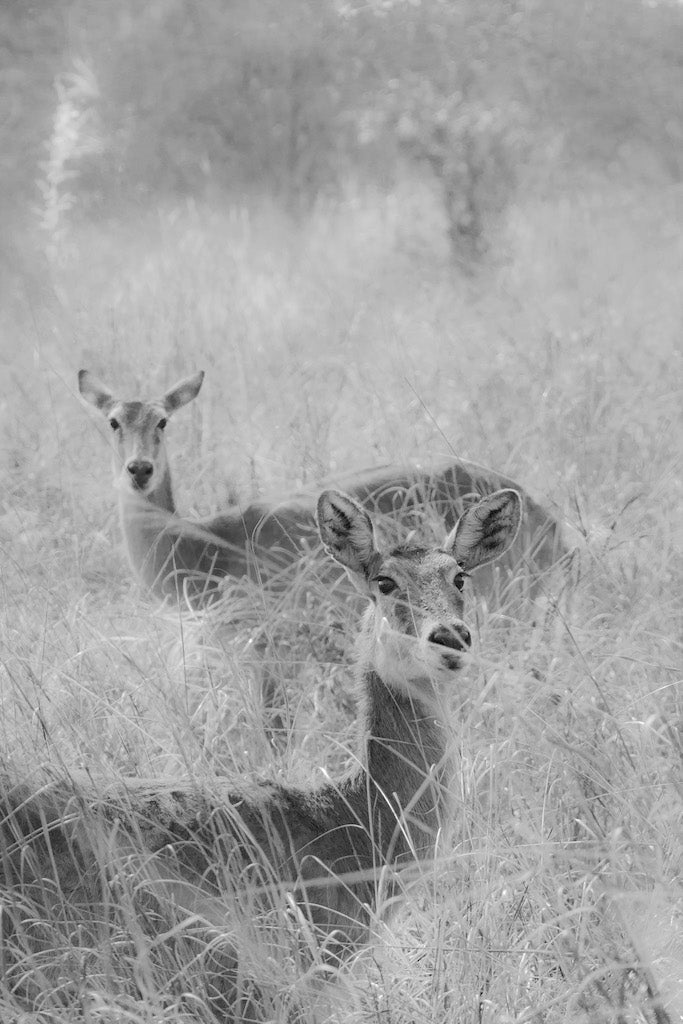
column 79, row 864
column 185, row 558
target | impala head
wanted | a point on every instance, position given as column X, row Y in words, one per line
column 414, row 629
column 138, row 427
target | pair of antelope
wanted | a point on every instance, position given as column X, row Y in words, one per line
column 323, row 849
column 187, row 559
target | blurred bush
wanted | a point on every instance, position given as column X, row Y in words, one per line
column 301, row 99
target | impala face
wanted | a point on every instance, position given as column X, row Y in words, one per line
column 413, row 630
column 138, row 431
column 138, row 428
column 418, row 610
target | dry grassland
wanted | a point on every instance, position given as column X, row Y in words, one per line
column 339, row 343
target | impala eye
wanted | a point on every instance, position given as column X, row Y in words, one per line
column 114, row 424
column 162, row 424
column 459, row 580
column 386, row 584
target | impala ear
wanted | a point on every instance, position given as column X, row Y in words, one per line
column 486, row 530
column 347, row 533
column 95, row 392
column 182, row 392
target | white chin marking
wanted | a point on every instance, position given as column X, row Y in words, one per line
column 400, row 658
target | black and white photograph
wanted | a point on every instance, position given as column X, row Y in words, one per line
column 341, row 512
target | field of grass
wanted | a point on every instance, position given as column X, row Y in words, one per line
column 335, row 344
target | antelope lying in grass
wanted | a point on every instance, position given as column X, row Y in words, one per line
column 187, row 558
column 326, row 850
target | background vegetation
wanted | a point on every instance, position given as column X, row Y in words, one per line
column 387, row 231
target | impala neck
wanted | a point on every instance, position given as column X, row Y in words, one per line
column 149, row 547
column 406, row 765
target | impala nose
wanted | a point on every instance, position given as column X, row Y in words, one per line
column 140, row 471
column 457, row 637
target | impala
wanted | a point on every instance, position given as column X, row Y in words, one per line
column 325, row 851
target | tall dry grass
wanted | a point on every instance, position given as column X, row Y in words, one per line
column 338, row 343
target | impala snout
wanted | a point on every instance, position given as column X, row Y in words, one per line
column 140, row 472
column 457, row 636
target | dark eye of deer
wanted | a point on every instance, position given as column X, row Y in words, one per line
column 162, row 424
column 459, row 580
column 386, row 584
column 114, row 424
